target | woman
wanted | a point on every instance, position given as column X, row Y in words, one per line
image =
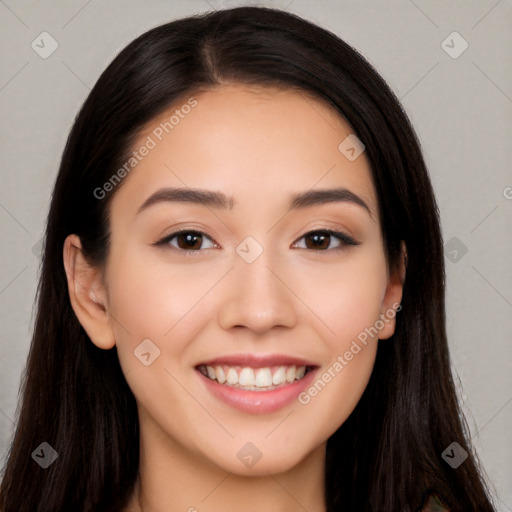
column 241, row 302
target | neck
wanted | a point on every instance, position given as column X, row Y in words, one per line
column 177, row 480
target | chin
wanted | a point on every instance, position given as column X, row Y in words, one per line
column 263, row 462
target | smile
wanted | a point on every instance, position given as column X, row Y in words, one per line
column 256, row 383
column 254, row 379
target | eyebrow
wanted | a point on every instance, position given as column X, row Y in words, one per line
column 219, row 200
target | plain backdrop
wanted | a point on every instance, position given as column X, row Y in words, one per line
column 456, row 88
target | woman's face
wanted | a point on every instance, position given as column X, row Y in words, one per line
column 254, row 289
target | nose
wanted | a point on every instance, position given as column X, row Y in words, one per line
column 257, row 297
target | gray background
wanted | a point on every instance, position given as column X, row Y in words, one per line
column 461, row 108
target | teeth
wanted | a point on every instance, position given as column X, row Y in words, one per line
column 232, row 376
column 280, row 376
column 263, row 378
column 257, row 379
column 246, row 377
column 290, row 374
column 301, row 370
column 219, row 374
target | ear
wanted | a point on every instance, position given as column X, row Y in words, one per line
column 87, row 294
column 393, row 297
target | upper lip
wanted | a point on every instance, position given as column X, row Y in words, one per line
column 257, row 360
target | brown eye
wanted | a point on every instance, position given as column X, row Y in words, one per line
column 191, row 241
column 320, row 240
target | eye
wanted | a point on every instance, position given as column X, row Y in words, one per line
column 190, row 241
column 320, row 240
column 186, row 240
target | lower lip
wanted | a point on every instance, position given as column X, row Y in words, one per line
column 258, row 402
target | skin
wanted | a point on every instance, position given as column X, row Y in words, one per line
column 259, row 145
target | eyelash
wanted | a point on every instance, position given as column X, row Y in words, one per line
column 346, row 240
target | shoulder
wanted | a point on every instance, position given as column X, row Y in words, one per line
column 433, row 503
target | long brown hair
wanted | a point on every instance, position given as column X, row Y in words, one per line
column 388, row 453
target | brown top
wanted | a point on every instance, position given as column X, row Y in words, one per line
column 434, row 503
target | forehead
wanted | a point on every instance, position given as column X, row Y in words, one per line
column 254, row 143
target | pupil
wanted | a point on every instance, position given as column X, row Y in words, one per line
column 191, row 239
column 319, row 239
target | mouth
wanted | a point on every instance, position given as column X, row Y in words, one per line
column 264, row 378
column 256, row 384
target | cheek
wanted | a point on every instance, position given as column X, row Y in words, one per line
column 141, row 299
column 346, row 297
column 160, row 303
column 165, row 303
column 338, row 387
column 346, row 300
